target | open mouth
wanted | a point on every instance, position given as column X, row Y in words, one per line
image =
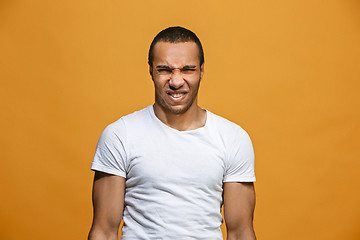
column 176, row 96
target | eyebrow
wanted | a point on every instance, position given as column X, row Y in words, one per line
column 163, row 66
column 185, row 67
column 189, row 66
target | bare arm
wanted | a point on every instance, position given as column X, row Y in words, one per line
column 239, row 204
column 108, row 203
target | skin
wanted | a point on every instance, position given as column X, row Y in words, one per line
column 181, row 113
column 176, row 91
column 108, row 204
column 239, row 204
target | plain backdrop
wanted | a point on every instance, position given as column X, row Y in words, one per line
column 288, row 72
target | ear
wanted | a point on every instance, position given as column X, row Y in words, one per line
column 201, row 70
column 151, row 71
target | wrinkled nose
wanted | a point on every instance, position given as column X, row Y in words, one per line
column 176, row 81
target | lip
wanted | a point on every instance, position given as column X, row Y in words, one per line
column 178, row 98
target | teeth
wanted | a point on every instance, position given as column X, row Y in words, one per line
column 176, row 95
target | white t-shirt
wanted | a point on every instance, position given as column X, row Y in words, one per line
column 174, row 179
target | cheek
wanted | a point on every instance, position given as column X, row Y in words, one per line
column 159, row 86
column 194, row 84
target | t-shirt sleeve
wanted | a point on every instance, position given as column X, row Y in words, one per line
column 110, row 155
column 240, row 159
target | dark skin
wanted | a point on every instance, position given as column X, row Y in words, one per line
column 239, row 204
column 176, row 75
column 108, row 203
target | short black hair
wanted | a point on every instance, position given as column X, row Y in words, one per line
column 175, row 35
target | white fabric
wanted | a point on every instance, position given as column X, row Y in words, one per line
column 174, row 178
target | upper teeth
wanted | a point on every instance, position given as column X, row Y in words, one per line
column 177, row 95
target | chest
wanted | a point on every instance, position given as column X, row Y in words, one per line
column 187, row 160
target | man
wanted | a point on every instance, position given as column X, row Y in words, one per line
column 167, row 169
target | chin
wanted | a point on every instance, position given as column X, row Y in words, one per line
column 176, row 109
column 171, row 108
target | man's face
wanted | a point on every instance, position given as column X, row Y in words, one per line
column 176, row 73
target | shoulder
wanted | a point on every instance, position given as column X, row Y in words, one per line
column 227, row 128
column 119, row 128
column 134, row 117
column 137, row 118
column 229, row 135
column 137, row 115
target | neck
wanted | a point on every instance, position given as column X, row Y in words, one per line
column 193, row 118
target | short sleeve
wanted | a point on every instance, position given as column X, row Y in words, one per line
column 110, row 155
column 240, row 159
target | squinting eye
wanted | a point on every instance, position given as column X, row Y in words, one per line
column 164, row 70
column 188, row 71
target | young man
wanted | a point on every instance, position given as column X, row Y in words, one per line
column 167, row 169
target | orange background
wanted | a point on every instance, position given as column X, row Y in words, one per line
column 287, row 71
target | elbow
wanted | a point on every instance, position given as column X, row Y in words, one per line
column 246, row 233
column 100, row 234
